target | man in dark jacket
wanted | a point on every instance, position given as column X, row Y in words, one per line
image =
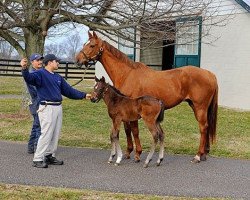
column 36, row 62
column 50, row 88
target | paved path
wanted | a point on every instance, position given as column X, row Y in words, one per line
column 88, row 169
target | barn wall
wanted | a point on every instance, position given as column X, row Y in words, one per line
column 229, row 59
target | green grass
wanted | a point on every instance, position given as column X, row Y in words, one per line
column 17, row 192
column 86, row 124
column 11, row 85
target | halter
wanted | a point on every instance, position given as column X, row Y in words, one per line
column 94, row 58
column 102, row 93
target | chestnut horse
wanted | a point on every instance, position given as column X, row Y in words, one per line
column 192, row 84
column 124, row 109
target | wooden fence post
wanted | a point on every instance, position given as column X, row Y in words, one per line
column 66, row 70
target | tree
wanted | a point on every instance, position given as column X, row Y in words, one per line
column 25, row 24
column 6, row 50
column 57, row 49
column 72, row 45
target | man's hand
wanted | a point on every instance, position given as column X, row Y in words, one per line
column 88, row 96
column 24, row 63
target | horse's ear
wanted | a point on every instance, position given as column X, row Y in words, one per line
column 96, row 79
column 90, row 35
column 102, row 79
column 94, row 35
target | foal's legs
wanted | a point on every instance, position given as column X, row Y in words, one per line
column 154, row 132
column 161, row 138
column 114, row 137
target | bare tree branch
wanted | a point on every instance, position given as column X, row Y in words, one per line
column 154, row 20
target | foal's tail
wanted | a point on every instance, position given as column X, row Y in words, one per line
column 212, row 116
column 161, row 113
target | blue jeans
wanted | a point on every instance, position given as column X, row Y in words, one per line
column 35, row 133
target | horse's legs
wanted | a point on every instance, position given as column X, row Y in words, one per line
column 113, row 150
column 114, row 137
column 201, row 116
column 130, row 145
column 207, row 147
column 161, row 138
column 154, row 132
column 135, row 131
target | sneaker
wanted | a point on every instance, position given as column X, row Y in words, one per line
column 50, row 160
column 40, row 164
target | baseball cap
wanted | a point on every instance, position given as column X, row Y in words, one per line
column 50, row 57
column 35, row 56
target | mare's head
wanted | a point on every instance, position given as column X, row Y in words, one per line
column 91, row 50
column 99, row 90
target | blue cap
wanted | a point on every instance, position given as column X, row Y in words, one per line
column 35, row 56
column 50, row 57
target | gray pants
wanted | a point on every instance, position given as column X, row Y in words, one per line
column 50, row 117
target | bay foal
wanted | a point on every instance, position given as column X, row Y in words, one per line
column 124, row 109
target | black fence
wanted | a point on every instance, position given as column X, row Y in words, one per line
column 68, row 70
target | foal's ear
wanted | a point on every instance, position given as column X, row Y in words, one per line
column 102, row 79
column 90, row 35
column 96, row 79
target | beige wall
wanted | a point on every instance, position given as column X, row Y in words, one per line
column 229, row 59
column 99, row 69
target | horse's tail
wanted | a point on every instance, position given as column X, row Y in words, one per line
column 212, row 116
column 161, row 113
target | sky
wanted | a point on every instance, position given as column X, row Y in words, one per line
column 61, row 32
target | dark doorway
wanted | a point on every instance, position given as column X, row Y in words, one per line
column 167, row 55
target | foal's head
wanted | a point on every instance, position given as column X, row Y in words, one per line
column 99, row 90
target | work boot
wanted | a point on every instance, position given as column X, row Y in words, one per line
column 40, row 164
column 30, row 151
column 50, row 160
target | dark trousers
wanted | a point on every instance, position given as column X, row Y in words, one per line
column 35, row 133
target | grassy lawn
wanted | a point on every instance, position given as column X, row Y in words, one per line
column 17, row 192
column 86, row 124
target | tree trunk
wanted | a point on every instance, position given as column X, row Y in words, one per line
column 34, row 42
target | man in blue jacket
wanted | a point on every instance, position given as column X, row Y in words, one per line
column 36, row 62
column 50, row 88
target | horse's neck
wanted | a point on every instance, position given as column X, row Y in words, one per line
column 110, row 96
column 115, row 68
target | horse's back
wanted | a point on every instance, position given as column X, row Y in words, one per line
column 171, row 86
column 200, row 85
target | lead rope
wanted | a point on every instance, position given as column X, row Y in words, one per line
column 84, row 74
column 89, row 65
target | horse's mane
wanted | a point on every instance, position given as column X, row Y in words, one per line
column 122, row 56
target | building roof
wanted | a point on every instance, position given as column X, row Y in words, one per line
column 244, row 3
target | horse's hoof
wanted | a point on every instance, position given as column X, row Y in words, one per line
column 203, row 157
column 110, row 161
column 195, row 160
column 145, row 165
column 159, row 162
column 137, row 158
column 127, row 156
column 117, row 164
